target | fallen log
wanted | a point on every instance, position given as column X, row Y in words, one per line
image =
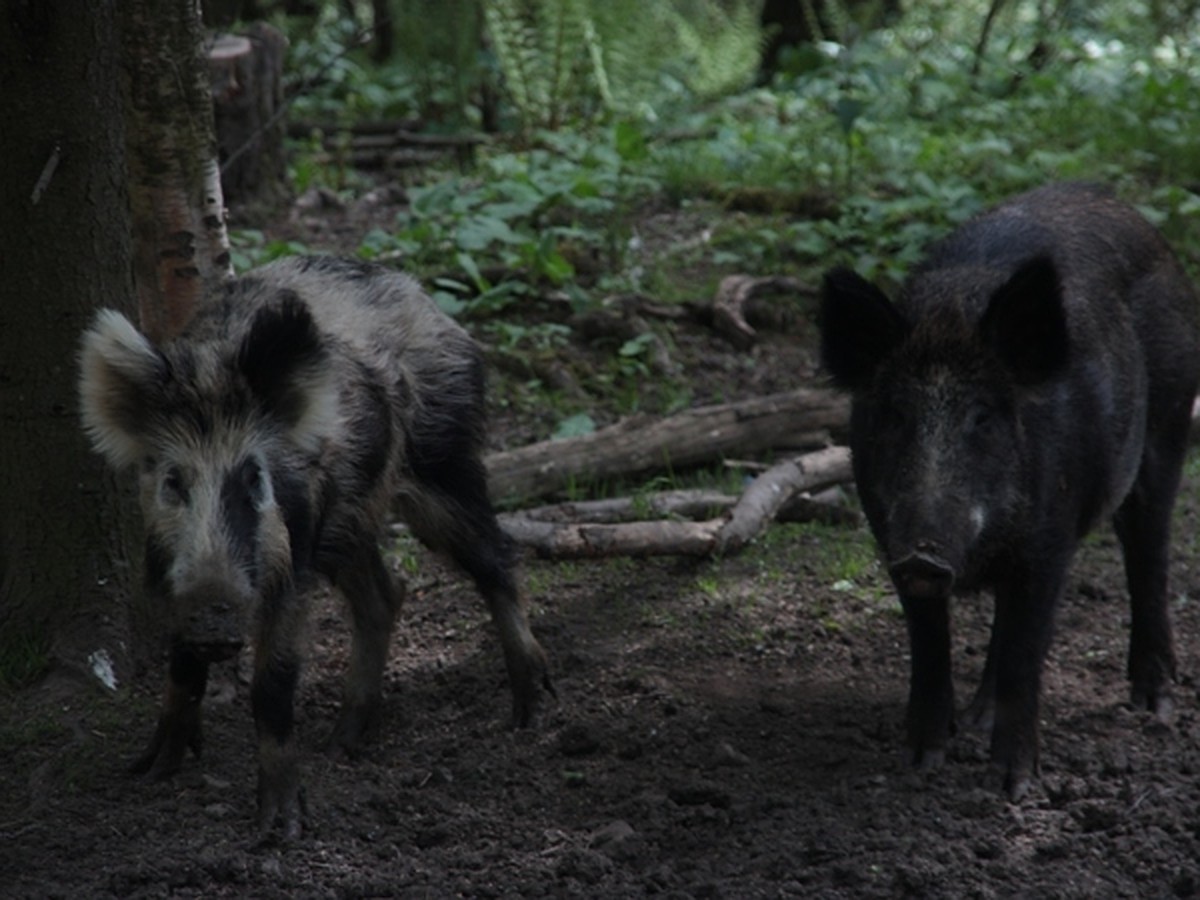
column 749, row 516
column 766, row 495
column 685, row 504
column 385, row 144
column 795, row 420
column 379, row 158
column 583, row 540
column 827, row 507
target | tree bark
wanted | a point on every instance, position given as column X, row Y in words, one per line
column 66, row 526
column 383, row 43
column 793, row 420
column 181, row 245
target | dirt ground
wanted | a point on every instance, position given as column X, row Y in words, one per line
column 721, row 729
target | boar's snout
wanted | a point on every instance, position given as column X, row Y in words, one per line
column 211, row 623
column 923, row 573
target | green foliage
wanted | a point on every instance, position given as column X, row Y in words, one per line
column 584, row 60
column 844, row 560
column 333, row 80
column 861, row 151
column 897, row 124
column 250, row 248
column 435, row 72
column 719, row 45
column 438, row 49
column 536, row 48
column 575, row 426
column 530, row 215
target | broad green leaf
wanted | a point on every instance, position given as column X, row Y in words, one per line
column 574, row 426
column 480, row 232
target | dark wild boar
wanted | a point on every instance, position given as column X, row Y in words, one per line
column 273, row 438
column 1035, row 375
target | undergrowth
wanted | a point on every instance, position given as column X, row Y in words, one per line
column 859, row 150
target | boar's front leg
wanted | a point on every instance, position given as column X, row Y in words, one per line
column 1021, row 634
column 178, row 726
column 931, row 689
column 374, row 600
column 272, row 694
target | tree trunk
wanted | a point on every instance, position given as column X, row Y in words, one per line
column 383, row 44
column 789, row 23
column 66, row 527
column 180, row 242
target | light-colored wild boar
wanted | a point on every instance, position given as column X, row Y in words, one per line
column 303, row 403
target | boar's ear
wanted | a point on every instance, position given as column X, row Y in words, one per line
column 121, row 378
column 287, row 366
column 859, row 326
column 1026, row 324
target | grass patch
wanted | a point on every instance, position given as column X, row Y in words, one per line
column 23, row 659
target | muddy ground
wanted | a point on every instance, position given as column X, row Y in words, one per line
column 722, row 729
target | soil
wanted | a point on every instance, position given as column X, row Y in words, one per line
column 721, row 729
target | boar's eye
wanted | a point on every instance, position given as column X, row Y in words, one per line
column 253, row 481
column 173, row 489
column 980, row 417
column 897, row 418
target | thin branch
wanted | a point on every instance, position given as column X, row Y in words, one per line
column 764, row 500
column 981, row 47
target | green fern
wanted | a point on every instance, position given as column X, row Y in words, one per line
column 595, row 51
column 536, row 43
column 513, row 43
column 721, row 45
column 572, row 60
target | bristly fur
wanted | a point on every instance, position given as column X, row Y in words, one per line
column 1035, row 374
column 117, row 365
column 272, row 438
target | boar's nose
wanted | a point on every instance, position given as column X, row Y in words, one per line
column 212, row 627
column 923, row 574
column 215, row 651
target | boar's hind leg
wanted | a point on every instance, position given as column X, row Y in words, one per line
column 931, row 689
column 374, row 602
column 178, row 726
column 1143, row 525
column 452, row 513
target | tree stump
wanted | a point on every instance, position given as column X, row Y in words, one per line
column 248, row 103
